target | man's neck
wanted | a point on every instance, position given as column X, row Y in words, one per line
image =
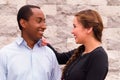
column 29, row 41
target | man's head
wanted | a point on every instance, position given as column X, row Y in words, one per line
column 24, row 13
column 31, row 21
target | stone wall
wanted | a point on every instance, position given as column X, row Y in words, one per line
column 59, row 18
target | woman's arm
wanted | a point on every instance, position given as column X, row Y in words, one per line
column 62, row 57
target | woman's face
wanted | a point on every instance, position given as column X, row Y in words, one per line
column 79, row 32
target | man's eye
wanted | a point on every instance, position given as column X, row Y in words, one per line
column 44, row 21
column 39, row 20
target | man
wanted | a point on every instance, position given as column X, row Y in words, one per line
column 25, row 58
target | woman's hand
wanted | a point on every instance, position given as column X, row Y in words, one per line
column 44, row 42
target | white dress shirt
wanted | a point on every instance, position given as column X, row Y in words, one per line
column 20, row 62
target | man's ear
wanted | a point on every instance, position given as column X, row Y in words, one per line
column 23, row 23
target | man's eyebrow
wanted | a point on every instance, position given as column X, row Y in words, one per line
column 40, row 18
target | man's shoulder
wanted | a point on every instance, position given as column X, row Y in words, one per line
column 7, row 47
column 49, row 50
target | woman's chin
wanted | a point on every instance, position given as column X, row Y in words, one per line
column 76, row 42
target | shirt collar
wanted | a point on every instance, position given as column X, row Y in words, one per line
column 21, row 41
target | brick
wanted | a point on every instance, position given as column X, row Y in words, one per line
column 51, row 31
column 8, row 24
column 109, row 10
column 20, row 3
column 3, row 1
column 114, row 2
column 71, row 44
column 73, row 2
column 5, row 40
column 114, row 21
column 8, row 10
column 49, row 9
column 96, row 2
column 111, row 38
column 114, row 67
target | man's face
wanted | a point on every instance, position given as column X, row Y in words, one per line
column 35, row 26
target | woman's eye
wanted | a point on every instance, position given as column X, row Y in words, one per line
column 74, row 26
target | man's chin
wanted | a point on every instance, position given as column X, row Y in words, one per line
column 38, row 38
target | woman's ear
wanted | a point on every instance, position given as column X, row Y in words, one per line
column 23, row 23
column 90, row 30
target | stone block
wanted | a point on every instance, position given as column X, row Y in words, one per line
column 96, row 2
column 109, row 10
column 70, row 22
column 20, row 3
column 5, row 40
column 51, row 20
column 66, row 9
column 49, row 9
column 42, row 2
column 114, row 21
column 36, row 2
column 73, row 2
column 114, row 67
column 8, row 10
column 105, row 20
column 71, row 44
column 3, row 1
column 111, row 38
column 51, row 31
column 114, row 2
column 8, row 24
column 87, row 2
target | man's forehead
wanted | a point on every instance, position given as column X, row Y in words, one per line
column 36, row 10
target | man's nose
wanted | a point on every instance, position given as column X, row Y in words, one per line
column 43, row 25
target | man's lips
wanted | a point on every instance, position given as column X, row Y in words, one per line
column 40, row 32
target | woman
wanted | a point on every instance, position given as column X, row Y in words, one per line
column 89, row 61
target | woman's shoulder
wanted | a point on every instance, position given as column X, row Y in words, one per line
column 99, row 53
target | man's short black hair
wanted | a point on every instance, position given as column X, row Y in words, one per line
column 24, row 13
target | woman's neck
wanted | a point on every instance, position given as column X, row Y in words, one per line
column 91, row 45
